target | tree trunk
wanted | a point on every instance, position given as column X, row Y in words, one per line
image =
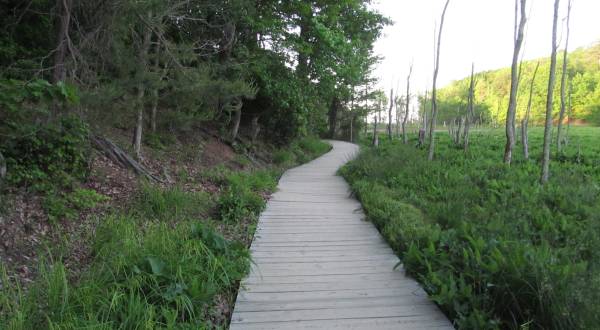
column 470, row 110
column 404, row 135
column 375, row 136
column 459, row 129
column 62, row 39
column 302, row 67
column 255, row 128
column 352, row 115
column 549, row 100
column 433, row 91
column 143, row 60
column 351, row 127
column 398, row 110
column 333, row 110
column 566, row 141
column 236, row 105
column 563, row 82
column 154, row 110
column 425, row 111
column 514, row 82
column 525, row 122
column 389, row 127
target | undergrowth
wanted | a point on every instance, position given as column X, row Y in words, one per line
column 162, row 262
column 492, row 247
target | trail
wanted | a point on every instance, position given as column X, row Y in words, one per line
column 320, row 265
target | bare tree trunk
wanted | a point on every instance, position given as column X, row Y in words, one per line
column 143, row 60
column 460, row 124
column 375, row 136
column 255, row 128
column 397, row 102
column 367, row 110
column 154, row 110
column 389, row 127
column 514, row 82
column 525, row 122
column 237, row 117
column 404, row 135
column 470, row 110
column 62, row 39
column 549, row 102
column 563, row 82
column 425, row 111
column 433, row 90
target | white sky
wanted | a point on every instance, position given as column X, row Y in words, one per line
column 479, row 31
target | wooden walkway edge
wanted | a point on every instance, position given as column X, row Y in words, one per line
column 319, row 265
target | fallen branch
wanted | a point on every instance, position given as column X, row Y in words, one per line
column 121, row 158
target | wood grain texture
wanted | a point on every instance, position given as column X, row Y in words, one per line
column 318, row 264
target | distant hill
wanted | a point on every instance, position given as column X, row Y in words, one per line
column 492, row 90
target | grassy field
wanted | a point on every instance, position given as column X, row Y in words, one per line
column 173, row 259
column 493, row 247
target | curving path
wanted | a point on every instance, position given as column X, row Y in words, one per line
column 319, row 265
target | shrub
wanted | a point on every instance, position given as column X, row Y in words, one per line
column 243, row 195
column 54, row 153
column 67, row 205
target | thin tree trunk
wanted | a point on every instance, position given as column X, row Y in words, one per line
column 458, row 130
column 237, row 117
column 425, row 111
column 143, row 60
column 398, row 109
column 389, row 127
column 255, row 128
column 470, row 111
column 62, row 39
column 566, row 141
column 404, row 135
column 375, row 137
column 154, row 110
column 352, row 115
column 514, row 82
column 333, row 117
column 367, row 110
column 433, row 90
column 563, row 82
column 525, row 122
column 549, row 102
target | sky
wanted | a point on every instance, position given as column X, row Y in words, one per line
column 479, row 31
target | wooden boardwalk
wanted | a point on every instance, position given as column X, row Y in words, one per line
column 320, row 265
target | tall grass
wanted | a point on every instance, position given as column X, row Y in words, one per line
column 492, row 247
column 161, row 263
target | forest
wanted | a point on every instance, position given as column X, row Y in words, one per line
column 492, row 91
column 141, row 140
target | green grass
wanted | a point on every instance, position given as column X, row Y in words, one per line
column 493, row 247
column 300, row 151
column 162, row 262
